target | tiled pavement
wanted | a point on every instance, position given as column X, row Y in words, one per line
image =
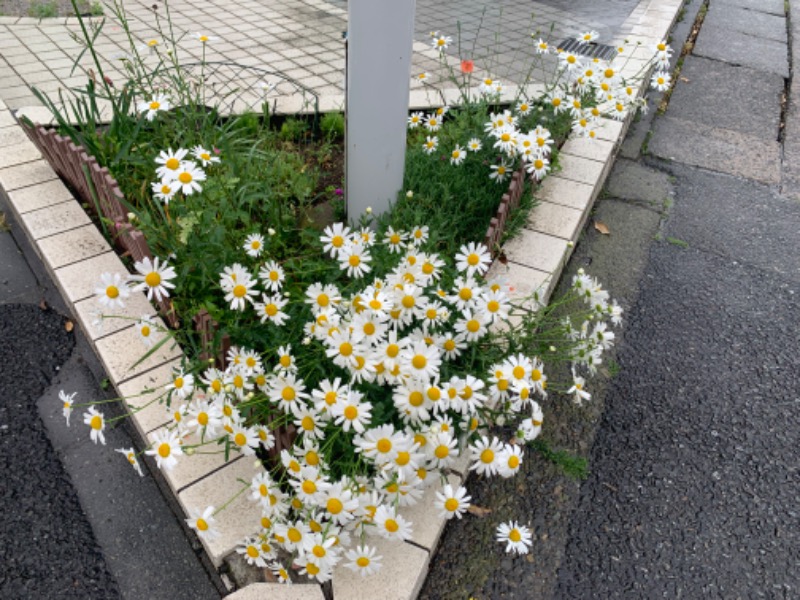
column 69, row 249
column 301, row 39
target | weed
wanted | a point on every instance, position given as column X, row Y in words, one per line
column 332, row 126
column 96, row 9
column 646, row 143
column 677, row 242
column 43, row 10
column 613, row 368
column 4, row 226
column 573, row 466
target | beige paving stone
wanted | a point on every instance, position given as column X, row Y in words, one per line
column 525, row 285
column 111, row 320
column 146, row 397
column 191, row 468
column 7, row 120
column 555, row 220
column 12, row 178
column 403, row 570
column 580, row 169
column 427, row 523
column 39, row 196
column 11, row 137
column 54, row 219
column 277, row 591
column 610, row 130
column 566, row 192
column 122, row 352
column 23, row 152
column 78, row 280
column 239, row 519
column 72, row 246
column 594, row 149
column 536, row 250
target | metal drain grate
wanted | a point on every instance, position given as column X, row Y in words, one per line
column 591, row 49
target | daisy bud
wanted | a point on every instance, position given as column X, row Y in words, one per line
column 188, row 451
column 570, row 244
column 250, row 395
column 257, row 464
column 409, row 194
column 131, row 217
column 369, row 210
column 552, row 348
column 271, row 231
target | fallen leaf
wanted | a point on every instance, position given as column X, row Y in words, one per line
column 479, row 511
column 684, row 79
column 43, row 304
column 602, row 228
column 69, row 326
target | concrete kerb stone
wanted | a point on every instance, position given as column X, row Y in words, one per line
column 406, row 564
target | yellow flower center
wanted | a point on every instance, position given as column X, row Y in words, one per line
column 96, row 422
column 487, row 456
column 419, row 362
column 403, row 458
column 307, row 423
column 330, row 398
column 155, row 105
column 202, row 525
column 442, row 451
column 391, row 525
column 350, row 413
column 362, row 561
column 240, row 439
column 239, row 291
column 164, row 450
column 252, row 552
column 112, row 291
column 271, row 309
column 345, row 348
column 152, row 279
column 514, row 535
column 309, row 487
column 172, row 163
column 513, row 461
column 334, row 506
column 354, row 260
column 185, row 177
column 288, row 394
column 451, row 504
column 145, row 331
column 323, row 300
column 473, row 326
column 416, row 399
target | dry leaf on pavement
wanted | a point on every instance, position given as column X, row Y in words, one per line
column 602, row 228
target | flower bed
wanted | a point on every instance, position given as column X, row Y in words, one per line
column 358, row 364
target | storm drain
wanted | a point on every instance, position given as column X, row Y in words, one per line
column 590, row 49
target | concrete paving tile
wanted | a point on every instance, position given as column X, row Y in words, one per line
column 566, row 192
column 716, row 149
column 40, row 195
column 751, row 22
column 78, row 280
column 206, row 459
column 146, row 397
column 109, row 321
column 12, row 178
column 610, row 129
column 13, row 136
column 537, row 250
column 580, row 169
column 37, row 114
column 594, row 149
column 239, row 519
column 277, row 591
column 737, row 48
column 22, row 102
column 7, row 119
column 555, row 220
column 427, row 524
column 122, row 353
column 54, row 219
column 404, row 565
column 721, row 95
column 523, row 282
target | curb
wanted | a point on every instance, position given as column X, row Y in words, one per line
column 73, row 252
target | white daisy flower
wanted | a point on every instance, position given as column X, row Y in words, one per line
column 152, row 107
column 112, row 291
column 516, row 537
column 97, row 423
column 254, row 244
column 130, row 454
column 189, row 175
column 204, row 156
column 452, row 503
column 155, row 278
column 203, row 523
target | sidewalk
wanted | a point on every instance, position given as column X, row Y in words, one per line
column 694, row 471
column 300, row 39
column 124, row 564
